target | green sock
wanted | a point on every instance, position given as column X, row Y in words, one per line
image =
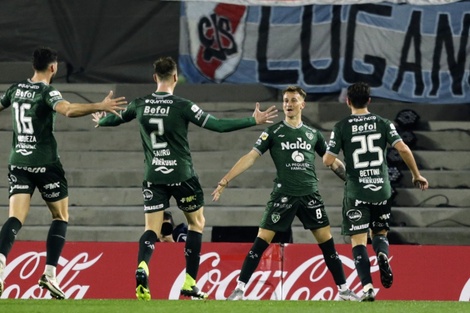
column 252, row 259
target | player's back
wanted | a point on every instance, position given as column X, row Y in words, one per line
column 364, row 140
column 33, row 122
column 163, row 120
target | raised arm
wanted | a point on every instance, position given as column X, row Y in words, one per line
column 244, row 163
column 109, row 104
column 223, row 125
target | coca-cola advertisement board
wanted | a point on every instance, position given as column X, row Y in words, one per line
column 105, row 270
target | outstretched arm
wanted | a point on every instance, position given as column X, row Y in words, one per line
column 244, row 163
column 223, row 125
column 109, row 104
column 407, row 156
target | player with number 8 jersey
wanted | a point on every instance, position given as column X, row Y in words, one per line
column 293, row 153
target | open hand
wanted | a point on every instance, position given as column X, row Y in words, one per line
column 97, row 116
column 220, row 188
column 113, row 105
column 264, row 117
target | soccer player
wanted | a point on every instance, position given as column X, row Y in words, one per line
column 169, row 172
column 34, row 161
column 292, row 146
column 363, row 137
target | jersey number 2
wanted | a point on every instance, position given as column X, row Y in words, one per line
column 159, row 132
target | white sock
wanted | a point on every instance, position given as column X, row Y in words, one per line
column 367, row 287
column 3, row 260
column 50, row 271
column 343, row 287
column 241, row 285
column 3, row 263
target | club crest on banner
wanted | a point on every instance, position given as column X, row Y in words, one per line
column 216, row 32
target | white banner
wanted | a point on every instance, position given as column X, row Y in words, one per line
column 405, row 52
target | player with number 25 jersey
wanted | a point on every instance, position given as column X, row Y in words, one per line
column 364, row 147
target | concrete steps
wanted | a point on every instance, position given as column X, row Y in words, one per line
column 237, row 216
column 107, row 177
column 115, row 224
column 412, row 235
column 432, row 160
column 104, row 169
column 132, row 196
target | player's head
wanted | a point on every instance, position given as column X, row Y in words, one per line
column 358, row 95
column 293, row 101
column 165, row 68
column 295, row 89
column 43, row 57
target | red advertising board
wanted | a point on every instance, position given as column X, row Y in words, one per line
column 105, row 270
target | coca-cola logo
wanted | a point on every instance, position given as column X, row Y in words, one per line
column 288, row 272
column 465, row 294
column 306, row 282
column 29, row 266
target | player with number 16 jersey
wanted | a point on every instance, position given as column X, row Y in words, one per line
column 33, row 122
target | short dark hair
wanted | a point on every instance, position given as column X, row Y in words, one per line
column 164, row 67
column 295, row 89
column 359, row 94
column 43, row 57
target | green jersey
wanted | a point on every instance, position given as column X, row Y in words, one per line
column 293, row 153
column 163, row 120
column 33, row 122
column 363, row 139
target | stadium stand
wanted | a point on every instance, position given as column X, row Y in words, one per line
column 104, row 168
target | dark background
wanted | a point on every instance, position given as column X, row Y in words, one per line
column 98, row 41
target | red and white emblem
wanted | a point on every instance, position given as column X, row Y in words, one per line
column 216, row 32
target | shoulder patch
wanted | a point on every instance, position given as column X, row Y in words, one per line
column 55, row 93
column 195, row 108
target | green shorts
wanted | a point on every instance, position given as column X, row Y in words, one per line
column 49, row 179
column 188, row 195
column 360, row 216
column 282, row 209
